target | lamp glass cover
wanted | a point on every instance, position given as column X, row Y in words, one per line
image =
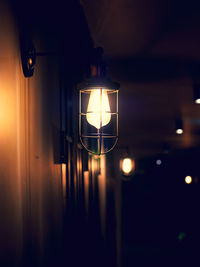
column 98, row 119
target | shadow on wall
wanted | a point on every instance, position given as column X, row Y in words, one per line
column 58, row 145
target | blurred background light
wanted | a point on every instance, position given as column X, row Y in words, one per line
column 188, row 179
column 196, row 91
column 179, row 126
column 158, row 162
column 179, row 131
column 127, row 166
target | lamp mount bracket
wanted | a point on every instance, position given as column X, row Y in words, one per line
column 29, row 55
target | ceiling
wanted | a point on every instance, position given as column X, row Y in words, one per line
column 152, row 48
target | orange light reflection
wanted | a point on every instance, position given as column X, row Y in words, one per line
column 64, row 183
column 86, row 189
column 102, row 191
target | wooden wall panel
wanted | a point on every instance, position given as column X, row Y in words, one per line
column 48, row 210
column 45, row 180
column 11, row 174
column 31, row 204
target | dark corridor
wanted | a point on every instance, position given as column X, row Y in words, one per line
column 62, row 206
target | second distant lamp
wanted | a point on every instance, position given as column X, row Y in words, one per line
column 179, row 126
column 196, row 91
column 127, row 166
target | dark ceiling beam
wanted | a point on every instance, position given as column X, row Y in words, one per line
column 154, row 70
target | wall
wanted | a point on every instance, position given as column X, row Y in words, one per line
column 11, row 140
column 55, row 200
column 30, row 181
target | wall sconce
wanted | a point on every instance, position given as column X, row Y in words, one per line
column 127, row 166
column 179, row 126
column 196, row 93
column 98, row 109
column 29, row 54
column 28, row 60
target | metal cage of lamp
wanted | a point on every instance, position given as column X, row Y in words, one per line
column 98, row 115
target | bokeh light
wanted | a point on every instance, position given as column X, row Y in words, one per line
column 158, row 162
column 188, row 179
column 179, row 131
column 127, row 166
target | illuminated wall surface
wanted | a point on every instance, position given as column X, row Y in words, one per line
column 13, row 167
column 30, row 182
column 45, row 206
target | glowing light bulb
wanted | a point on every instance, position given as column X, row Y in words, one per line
column 188, row 179
column 197, row 101
column 98, row 110
column 127, row 166
column 179, row 131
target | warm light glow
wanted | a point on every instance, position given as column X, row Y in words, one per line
column 188, row 179
column 98, row 108
column 102, row 192
column 127, row 166
column 7, row 106
column 64, row 182
column 197, row 101
column 179, row 131
column 30, row 61
column 86, row 177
